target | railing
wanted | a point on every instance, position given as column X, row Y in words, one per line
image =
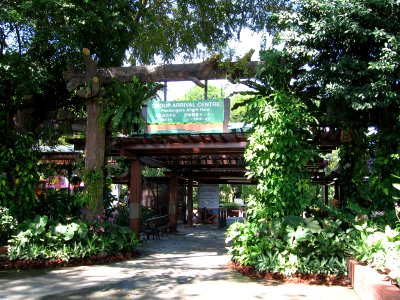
column 217, row 215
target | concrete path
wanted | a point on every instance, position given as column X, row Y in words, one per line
column 188, row 265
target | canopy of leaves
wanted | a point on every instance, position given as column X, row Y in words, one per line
column 342, row 60
column 38, row 39
column 347, row 55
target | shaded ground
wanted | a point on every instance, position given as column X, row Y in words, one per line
column 191, row 264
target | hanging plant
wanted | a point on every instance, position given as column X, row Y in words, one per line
column 124, row 106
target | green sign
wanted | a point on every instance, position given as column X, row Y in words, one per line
column 178, row 112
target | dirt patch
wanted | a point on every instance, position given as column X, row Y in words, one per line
column 317, row 279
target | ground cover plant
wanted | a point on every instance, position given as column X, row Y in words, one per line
column 8, row 225
column 379, row 248
column 311, row 250
column 291, row 245
column 61, row 237
column 47, row 241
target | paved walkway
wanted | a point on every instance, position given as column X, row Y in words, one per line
column 188, row 265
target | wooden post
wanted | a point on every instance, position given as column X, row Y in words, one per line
column 206, row 90
column 190, row 203
column 94, row 158
column 326, row 194
column 338, row 191
column 95, row 137
column 173, row 193
column 135, row 196
column 227, row 114
column 165, row 90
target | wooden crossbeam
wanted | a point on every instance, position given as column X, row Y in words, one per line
column 207, row 70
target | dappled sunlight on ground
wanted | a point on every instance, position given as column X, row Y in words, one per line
column 191, row 264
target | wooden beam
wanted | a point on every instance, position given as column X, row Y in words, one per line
column 207, row 70
column 154, row 163
column 186, row 148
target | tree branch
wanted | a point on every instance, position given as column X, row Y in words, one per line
column 139, row 12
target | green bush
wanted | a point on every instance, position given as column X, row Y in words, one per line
column 231, row 205
column 57, row 205
column 7, row 225
column 118, row 213
column 291, row 245
column 46, row 239
column 378, row 248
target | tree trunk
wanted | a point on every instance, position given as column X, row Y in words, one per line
column 94, row 157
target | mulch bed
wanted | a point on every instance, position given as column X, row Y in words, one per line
column 317, row 279
column 57, row 263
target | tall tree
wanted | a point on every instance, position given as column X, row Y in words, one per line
column 344, row 63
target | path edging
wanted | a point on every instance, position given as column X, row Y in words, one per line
column 369, row 284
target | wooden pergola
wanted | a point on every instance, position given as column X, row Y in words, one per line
column 205, row 158
column 92, row 78
column 214, row 158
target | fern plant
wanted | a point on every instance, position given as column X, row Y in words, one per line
column 124, row 106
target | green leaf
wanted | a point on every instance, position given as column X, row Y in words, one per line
column 396, row 186
column 82, row 230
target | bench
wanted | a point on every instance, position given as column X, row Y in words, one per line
column 155, row 226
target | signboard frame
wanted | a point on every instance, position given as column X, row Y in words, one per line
column 197, row 116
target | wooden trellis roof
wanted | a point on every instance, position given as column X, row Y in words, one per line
column 213, row 157
column 206, row 158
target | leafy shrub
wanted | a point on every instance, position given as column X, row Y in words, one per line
column 7, row 225
column 57, row 205
column 278, row 143
column 380, row 249
column 291, row 245
column 230, row 205
column 46, row 239
column 118, row 213
column 19, row 173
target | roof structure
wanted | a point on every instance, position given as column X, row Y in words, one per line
column 211, row 158
column 204, row 158
column 60, row 155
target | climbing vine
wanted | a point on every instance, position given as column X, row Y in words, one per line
column 93, row 188
column 18, row 175
column 278, row 154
